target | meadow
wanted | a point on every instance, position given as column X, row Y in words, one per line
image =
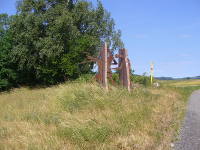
column 80, row 115
column 184, row 83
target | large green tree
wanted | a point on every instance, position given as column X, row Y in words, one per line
column 8, row 75
column 52, row 37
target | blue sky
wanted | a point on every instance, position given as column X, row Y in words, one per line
column 166, row 32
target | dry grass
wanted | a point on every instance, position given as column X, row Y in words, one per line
column 77, row 116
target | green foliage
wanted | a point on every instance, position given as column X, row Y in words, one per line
column 47, row 41
column 52, row 37
column 8, row 74
column 4, row 84
column 115, row 78
column 144, row 80
column 86, row 78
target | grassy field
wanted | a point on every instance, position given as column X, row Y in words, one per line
column 82, row 116
column 184, row 83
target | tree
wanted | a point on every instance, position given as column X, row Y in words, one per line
column 7, row 68
column 52, row 37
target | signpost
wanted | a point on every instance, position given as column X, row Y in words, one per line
column 152, row 72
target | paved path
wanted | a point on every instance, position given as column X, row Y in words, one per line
column 190, row 132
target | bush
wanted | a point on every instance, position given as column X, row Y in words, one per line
column 86, row 78
column 4, row 84
column 115, row 78
column 144, row 80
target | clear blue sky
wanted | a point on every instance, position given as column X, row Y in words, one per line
column 166, row 32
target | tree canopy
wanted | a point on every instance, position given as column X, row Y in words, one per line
column 47, row 40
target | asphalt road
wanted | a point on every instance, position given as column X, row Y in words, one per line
column 190, row 132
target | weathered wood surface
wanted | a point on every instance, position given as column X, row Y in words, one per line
column 105, row 60
column 105, row 67
column 124, row 68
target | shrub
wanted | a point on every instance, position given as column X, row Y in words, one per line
column 144, row 80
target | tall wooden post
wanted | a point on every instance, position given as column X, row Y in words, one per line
column 105, row 67
column 124, row 69
column 120, row 66
column 104, row 64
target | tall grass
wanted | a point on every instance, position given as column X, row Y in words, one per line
column 82, row 115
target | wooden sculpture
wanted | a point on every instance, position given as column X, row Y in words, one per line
column 104, row 62
column 124, row 68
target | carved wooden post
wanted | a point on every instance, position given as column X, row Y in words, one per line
column 104, row 61
column 120, row 66
column 126, row 71
column 124, row 68
column 105, row 67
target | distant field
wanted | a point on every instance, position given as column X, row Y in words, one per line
column 184, row 83
column 77, row 116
